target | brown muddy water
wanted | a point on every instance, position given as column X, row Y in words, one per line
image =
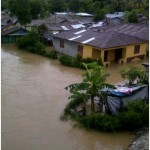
column 33, row 98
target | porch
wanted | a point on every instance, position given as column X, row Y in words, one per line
column 110, row 56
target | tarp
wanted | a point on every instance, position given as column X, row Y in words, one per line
column 117, row 99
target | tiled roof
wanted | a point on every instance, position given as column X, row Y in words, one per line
column 102, row 39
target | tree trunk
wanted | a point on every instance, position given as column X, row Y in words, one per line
column 92, row 104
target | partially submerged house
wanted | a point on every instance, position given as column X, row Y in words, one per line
column 11, row 35
column 121, row 44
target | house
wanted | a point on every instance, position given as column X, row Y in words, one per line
column 10, row 35
column 8, row 22
column 121, row 44
column 115, row 14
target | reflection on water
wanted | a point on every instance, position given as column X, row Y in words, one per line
column 33, row 97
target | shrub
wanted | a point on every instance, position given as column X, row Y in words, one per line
column 22, row 42
column 79, row 57
column 39, row 48
column 90, row 60
column 31, row 42
column 135, row 116
column 66, row 60
column 145, row 117
column 136, row 106
column 130, row 120
column 52, row 54
column 101, row 122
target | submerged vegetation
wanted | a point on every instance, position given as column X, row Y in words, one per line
column 131, row 117
column 135, row 74
column 78, row 61
column 32, row 43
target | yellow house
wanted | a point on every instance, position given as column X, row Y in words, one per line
column 117, row 54
column 117, row 46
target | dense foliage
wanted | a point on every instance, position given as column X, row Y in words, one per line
column 93, row 82
column 26, row 10
column 131, row 117
column 135, row 74
column 52, row 54
column 134, row 117
column 31, row 42
column 78, row 61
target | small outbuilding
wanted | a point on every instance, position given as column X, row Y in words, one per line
column 12, row 34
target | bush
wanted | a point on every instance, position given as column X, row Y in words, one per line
column 79, row 57
column 145, row 117
column 66, row 60
column 101, row 122
column 39, row 48
column 52, row 54
column 135, row 116
column 130, row 120
column 31, row 42
column 90, row 60
column 22, row 42
column 136, row 106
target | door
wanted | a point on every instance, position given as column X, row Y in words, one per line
column 105, row 55
column 118, row 54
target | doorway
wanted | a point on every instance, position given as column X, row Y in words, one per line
column 118, row 54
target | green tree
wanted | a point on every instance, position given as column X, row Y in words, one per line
column 134, row 73
column 74, row 5
column 118, row 5
column 56, row 5
column 99, row 15
column 93, row 82
column 79, row 98
column 132, row 17
column 21, row 8
column 136, row 4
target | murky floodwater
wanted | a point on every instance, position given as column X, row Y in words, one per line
column 32, row 99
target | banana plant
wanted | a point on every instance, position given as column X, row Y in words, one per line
column 93, row 82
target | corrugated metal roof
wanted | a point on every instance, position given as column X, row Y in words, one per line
column 81, row 31
column 105, row 39
column 140, row 31
column 13, row 31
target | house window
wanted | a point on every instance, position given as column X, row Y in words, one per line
column 62, row 43
column 136, row 49
column 80, row 50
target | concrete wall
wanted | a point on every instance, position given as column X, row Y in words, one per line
column 70, row 48
column 130, row 50
column 87, row 51
column 96, row 53
column 111, row 55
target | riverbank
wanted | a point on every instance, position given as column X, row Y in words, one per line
column 141, row 141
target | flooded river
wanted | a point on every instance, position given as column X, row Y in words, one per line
column 33, row 98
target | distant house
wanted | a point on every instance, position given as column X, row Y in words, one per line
column 121, row 44
column 10, row 35
column 8, row 22
column 115, row 15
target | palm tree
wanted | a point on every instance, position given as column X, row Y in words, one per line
column 96, row 77
column 77, row 98
column 93, row 82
